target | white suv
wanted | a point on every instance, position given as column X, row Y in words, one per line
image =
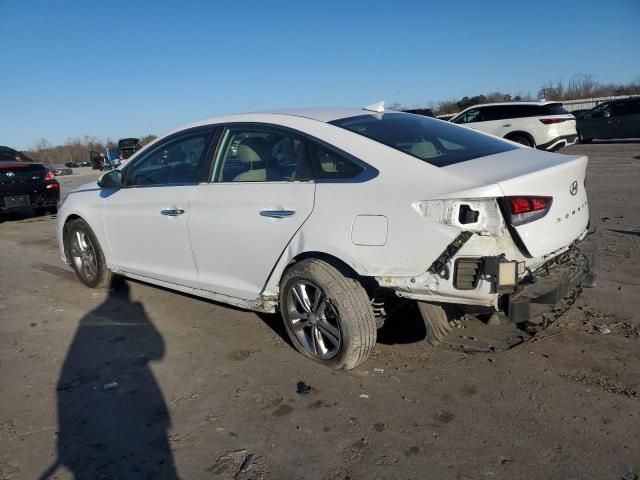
column 544, row 125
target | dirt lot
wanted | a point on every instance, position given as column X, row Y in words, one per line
column 207, row 391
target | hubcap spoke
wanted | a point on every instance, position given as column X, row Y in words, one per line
column 300, row 293
column 330, row 332
column 314, row 320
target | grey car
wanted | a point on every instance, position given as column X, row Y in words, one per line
column 613, row 119
column 61, row 170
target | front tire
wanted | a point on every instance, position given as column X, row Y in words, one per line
column 327, row 315
column 87, row 258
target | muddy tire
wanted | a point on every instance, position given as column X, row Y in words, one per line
column 436, row 319
column 85, row 253
column 327, row 314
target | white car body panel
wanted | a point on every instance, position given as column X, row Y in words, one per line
column 223, row 249
column 145, row 242
column 225, row 226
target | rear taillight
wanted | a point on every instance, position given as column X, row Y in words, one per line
column 549, row 121
column 49, row 175
column 520, row 210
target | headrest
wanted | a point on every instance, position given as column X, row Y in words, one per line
column 253, row 149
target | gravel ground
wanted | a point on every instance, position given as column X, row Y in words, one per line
column 207, row 391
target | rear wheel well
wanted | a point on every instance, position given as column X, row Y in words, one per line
column 520, row 133
column 343, row 267
column 369, row 283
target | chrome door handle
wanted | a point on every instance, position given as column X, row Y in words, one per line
column 172, row 212
column 277, row 213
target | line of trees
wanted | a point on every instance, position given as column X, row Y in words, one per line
column 580, row 85
column 74, row 149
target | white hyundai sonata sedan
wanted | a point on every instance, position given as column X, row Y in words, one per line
column 331, row 215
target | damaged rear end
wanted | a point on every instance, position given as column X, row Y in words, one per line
column 520, row 247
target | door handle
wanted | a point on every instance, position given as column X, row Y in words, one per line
column 507, row 125
column 277, row 213
column 172, row 212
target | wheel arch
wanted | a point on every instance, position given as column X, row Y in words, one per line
column 344, row 264
column 521, row 133
column 65, row 227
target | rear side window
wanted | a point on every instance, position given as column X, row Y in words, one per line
column 328, row 164
column 261, row 155
column 625, row 108
column 435, row 142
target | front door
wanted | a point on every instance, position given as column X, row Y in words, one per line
column 260, row 194
column 147, row 219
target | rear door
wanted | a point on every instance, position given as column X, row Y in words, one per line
column 259, row 194
column 147, row 220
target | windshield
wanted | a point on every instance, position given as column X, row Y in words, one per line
column 433, row 141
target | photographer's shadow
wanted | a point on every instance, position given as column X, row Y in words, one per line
column 112, row 416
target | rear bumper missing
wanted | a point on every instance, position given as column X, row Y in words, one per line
column 553, row 288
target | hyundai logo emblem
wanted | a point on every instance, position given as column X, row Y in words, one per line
column 573, row 189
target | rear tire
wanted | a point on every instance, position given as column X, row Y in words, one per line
column 85, row 253
column 582, row 139
column 522, row 140
column 327, row 315
column 40, row 211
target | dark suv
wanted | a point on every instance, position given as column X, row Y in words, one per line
column 26, row 184
column 613, row 119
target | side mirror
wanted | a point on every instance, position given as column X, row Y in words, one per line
column 110, row 179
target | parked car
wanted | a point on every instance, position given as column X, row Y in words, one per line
column 543, row 125
column 427, row 112
column 614, row 119
column 446, row 116
column 578, row 113
column 330, row 216
column 26, row 184
column 72, row 164
column 61, row 170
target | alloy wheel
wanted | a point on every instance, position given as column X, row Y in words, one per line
column 314, row 320
column 84, row 255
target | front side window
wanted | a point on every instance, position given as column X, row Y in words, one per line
column 435, row 142
column 255, row 155
column 174, row 162
column 470, row 116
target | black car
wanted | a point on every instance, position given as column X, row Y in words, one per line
column 426, row 112
column 26, row 184
column 613, row 119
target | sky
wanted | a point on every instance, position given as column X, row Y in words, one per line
column 116, row 68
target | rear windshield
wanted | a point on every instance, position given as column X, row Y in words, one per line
column 553, row 109
column 433, row 141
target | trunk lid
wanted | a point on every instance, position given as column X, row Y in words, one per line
column 529, row 172
column 21, row 173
